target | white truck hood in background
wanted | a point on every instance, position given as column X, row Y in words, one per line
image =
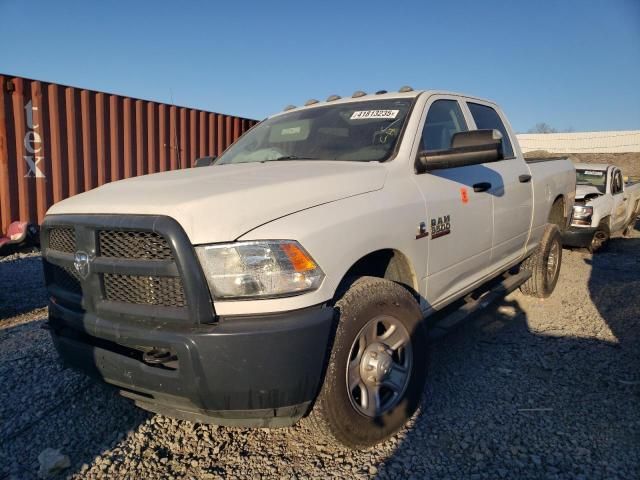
column 583, row 190
column 221, row 203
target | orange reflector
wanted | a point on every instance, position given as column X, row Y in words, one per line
column 464, row 195
column 300, row 261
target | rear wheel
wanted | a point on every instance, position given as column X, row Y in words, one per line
column 544, row 265
column 377, row 369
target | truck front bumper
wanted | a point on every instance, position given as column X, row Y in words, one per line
column 249, row 371
column 578, row 236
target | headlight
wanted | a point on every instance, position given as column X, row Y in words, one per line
column 582, row 215
column 259, row 269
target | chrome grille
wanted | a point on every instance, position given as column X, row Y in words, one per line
column 144, row 290
column 134, row 245
column 62, row 239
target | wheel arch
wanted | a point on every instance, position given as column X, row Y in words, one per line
column 558, row 214
column 606, row 222
column 388, row 263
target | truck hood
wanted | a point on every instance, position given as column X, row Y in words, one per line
column 222, row 202
column 586, row 190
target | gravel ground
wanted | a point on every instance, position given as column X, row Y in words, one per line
column 530, row 389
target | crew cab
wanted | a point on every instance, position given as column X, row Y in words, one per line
column 605, row 204
column 303, row 272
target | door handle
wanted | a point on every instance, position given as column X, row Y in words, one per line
column 524, row 178
column 481, row 187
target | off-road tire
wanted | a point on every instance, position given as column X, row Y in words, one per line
column 333, row 417
column 540, row 285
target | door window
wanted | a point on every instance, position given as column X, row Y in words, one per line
column 616, row 185
column 443, row 120
column 487, row 118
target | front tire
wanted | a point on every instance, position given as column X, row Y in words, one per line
column 600, row 238
column 544, row 264
column 377, row 368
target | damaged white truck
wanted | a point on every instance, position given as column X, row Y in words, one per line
column 605, row 204
column 303, row 272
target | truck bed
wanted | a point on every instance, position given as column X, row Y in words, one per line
column 543, row 159
column 551, row 176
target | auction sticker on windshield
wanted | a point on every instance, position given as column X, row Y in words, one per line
column 369, row 114
column 595, row 173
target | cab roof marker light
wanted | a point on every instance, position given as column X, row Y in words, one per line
column 288, row 107
column 331, row 98
column 406, row 89
column 380, row 92
column 311, row 101
column 358, row 94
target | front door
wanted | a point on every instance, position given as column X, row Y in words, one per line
column 459, row 220
column 619, row 212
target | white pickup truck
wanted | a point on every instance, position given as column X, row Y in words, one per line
column 302, row 272
column 605, row 204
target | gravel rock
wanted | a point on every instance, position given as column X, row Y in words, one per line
column 52, row 461
column 532, row 388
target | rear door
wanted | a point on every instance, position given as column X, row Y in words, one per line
column 511, row 193
column 459, row 221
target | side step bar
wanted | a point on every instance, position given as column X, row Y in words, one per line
column 472, row 305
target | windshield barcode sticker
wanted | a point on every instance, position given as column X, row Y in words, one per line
column 370, row 114
column 596, row 173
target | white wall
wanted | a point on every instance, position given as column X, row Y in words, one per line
column 582, row 142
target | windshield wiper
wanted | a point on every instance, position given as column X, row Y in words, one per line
column 288, row 157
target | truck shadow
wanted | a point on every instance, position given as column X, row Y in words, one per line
column 43, row 405
column 46, row 406
column 21, row 286
column 465, row 174
column 537, row 388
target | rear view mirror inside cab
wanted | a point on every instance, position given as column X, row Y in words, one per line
column 467, row 148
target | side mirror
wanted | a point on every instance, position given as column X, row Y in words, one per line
column 204, row 161
column 467, row 148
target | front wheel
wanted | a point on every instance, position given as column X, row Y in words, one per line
column 600, row 239
column 377, row 368
column 544, row 264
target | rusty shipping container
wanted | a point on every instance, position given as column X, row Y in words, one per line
column 57, row 141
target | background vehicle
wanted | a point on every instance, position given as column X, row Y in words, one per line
column 295, row 274
column 605, row 204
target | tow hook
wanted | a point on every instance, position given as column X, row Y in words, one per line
column 158, row 356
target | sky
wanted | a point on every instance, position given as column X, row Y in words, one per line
column 572, row 64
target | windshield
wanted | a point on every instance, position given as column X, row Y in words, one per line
column 358, row 131
column 595, row 178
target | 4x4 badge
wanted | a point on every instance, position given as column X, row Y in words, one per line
column 422, row 230
column 81, row 264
